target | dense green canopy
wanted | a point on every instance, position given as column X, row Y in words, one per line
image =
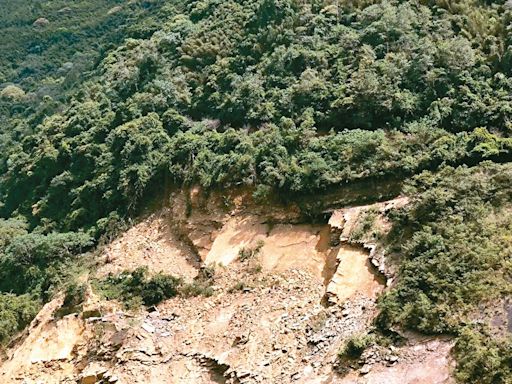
column 289, row 96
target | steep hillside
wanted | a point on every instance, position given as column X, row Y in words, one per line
column 284, row 298
column 347, row 163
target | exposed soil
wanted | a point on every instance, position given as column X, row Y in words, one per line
column 236, row 234
column 264, row 323
column 354, row 274
column 48, row 349
column 425, row 362
column 154, row 244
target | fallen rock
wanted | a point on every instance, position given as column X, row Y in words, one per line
column 41, row 22
column 365, row 369
column 115, row 9
column 89, row 379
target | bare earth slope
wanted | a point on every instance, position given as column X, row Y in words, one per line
column 281, row 316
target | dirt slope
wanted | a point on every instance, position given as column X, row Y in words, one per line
column 279, row 316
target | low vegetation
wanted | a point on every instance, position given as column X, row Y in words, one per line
column 33, row 267
column 355, row 346
column 365, row 226
column 16, row 312
column 453, row 242
column 483, row 359
column 248, row 253
column 139, row 287
column 135, row 288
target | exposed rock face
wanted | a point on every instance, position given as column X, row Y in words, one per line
column 354, row 275
column 236, row 234
column 41, row 22
column 47, row 352
column 267, row 321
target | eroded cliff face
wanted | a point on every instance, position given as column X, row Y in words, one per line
column 287, row 295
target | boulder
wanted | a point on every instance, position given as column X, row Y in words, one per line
column 41, row 22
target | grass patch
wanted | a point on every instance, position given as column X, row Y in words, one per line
column 245, row 254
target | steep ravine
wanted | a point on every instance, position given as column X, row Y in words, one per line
column 281, row 316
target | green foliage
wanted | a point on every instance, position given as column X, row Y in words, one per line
column 12, row 93
column 50, row 51
column 136, row 287
column 37, row 263
column 239, row 286
column 483, row 359
column 286, row 97
column 234, row 93
column 32, row 267
column 452, row 240
column 356, row 345
column 202, row 284
column 197, row 288
column 364, row 225
column 74, row 294
column 16, row 312
column 10, row 229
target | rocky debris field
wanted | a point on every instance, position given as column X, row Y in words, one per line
column 286, row 297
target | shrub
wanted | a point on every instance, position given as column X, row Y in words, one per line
column 451, row 240
column 256, row 268
column 364, row 225
column 482, row 359
column 159, row 288
column 36, row 263
column 239, row 286
column 12, row 93
column 197, row 288
column 355, row 346
column 136, row 287
column 74, row 294
column 202, row 284
column 248, row 253
column 9, row 229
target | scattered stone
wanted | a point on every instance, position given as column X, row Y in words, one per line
column 148, row 328
column 115, row 9
column 41, row 22
column 293, row 337
column 153, row 309
column 92, row 375
column 365, row 369
column 243, row 374
column 393, row 358
column 89, row 379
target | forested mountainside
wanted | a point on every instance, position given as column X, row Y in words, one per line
column 105, row 104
